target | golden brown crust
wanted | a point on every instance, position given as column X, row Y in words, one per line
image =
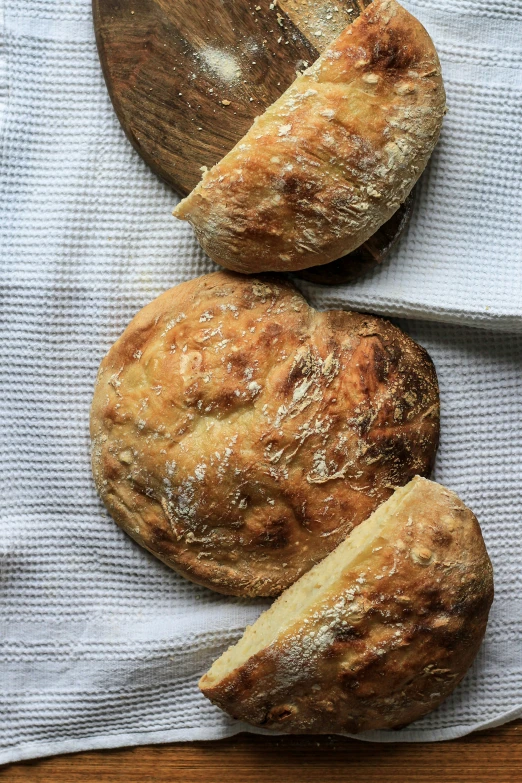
column 393, row 638
column 331, row 161
column 239, row 435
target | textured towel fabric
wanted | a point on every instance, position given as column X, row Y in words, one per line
column 100, row 644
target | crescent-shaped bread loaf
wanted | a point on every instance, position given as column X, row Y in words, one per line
column 376, row 635
column 330, row 161
column 239, row 435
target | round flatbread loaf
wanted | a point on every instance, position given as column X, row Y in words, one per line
column 239, row 435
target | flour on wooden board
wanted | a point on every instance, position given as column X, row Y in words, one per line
column 222, row 64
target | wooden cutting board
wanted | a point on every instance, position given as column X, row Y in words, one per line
column 188, row 77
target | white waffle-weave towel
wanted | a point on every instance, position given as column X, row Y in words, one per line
column 100, row 644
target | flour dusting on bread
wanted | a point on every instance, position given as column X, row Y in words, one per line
column 239, row 434
column 376, row 635
column 332, row 160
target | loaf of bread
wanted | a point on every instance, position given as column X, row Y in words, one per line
column 239, row 435
column 330, row 161
column 376, row 635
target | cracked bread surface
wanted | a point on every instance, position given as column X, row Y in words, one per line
column 239, row 435
column 333, row 158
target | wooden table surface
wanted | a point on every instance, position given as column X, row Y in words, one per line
column 493, row 756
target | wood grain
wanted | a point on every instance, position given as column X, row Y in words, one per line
column 170, row 64
column 188, row 78
column 494, row 756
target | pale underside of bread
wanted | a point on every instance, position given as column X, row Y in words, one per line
column 330, row 161
column 239, row 435
column 377, row 634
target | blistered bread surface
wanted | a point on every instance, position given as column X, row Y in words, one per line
column 330, row 161
column 239, row 434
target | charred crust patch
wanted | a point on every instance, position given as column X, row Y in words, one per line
column 390, row 51
column 275, row 535
column 281, row 713
column 160, row 537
